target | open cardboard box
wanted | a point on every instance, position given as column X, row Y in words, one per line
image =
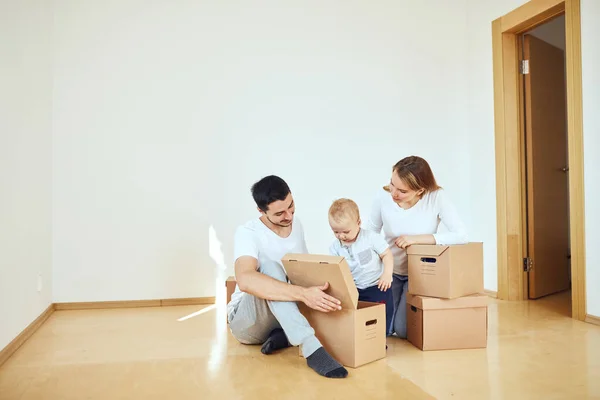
column 353, row 336
column 447, row 324
column 446, row 272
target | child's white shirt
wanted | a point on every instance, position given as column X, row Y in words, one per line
column 363, row 257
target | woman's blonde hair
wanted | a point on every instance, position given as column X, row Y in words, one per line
column 416, row 173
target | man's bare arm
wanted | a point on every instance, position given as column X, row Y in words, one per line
column 263, row 286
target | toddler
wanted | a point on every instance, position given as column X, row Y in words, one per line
column 367, row 254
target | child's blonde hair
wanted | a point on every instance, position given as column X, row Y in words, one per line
column 343, row 209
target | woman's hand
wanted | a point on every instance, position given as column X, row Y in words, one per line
column 405, row 241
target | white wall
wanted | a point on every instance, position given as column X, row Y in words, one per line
column 147, row 117
column 481, row 132
column 25, row 163
column 590, row 31
column 167, row 112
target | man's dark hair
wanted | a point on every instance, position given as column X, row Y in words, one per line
column 268, row 190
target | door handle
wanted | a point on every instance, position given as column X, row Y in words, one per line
column 565, row 169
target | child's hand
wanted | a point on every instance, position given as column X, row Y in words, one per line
column 385, row 282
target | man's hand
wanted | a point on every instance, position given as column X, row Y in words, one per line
column 404, row 241
column 316, row 298
column 385, row 281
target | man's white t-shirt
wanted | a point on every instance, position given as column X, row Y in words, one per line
column 363, row 257
column 421, row 219
column 256, row 240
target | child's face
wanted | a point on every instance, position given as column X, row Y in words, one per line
column 346, row 230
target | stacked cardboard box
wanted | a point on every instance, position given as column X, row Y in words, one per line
column 446, row 307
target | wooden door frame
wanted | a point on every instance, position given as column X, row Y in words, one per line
column 510, row 163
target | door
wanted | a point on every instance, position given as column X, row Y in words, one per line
column 547, row 168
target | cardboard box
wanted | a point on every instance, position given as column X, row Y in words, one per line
column 230, row 285
column 444, row 324
column 447, row 272
column 353, row 336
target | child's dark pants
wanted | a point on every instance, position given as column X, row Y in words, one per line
column 374, row 295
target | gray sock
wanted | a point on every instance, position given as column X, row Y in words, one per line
column 325, row 365
column 276, row 341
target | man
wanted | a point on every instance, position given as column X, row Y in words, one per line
column 263, row 309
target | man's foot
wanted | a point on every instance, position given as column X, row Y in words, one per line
column 276, row 341
column 325, row 365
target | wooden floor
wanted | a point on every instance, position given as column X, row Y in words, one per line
column 535, row 351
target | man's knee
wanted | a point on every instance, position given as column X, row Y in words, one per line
column 244, row 338
column 251, row 332
column 274, row 270
column 240, row 328
column 252, row 321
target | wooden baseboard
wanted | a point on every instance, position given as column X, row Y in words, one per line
column 95, row 305
column 592, row 319
column 491, row 293
column 191, row 301
column 17, row 342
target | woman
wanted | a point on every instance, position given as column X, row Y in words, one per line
column 410, row 210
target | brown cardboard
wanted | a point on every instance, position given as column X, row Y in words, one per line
column 230, row 285
column 314, row 270
column 447, row 272
column 353, row 336
column 447, row 324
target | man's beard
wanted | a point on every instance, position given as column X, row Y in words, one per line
column 279, row 224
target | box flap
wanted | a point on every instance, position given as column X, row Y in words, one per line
column 433, row 303
column 433, row 250
column 314, row 270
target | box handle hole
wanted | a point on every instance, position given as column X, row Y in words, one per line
column 371, row 322
column 429, row 260
column 413, row 308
